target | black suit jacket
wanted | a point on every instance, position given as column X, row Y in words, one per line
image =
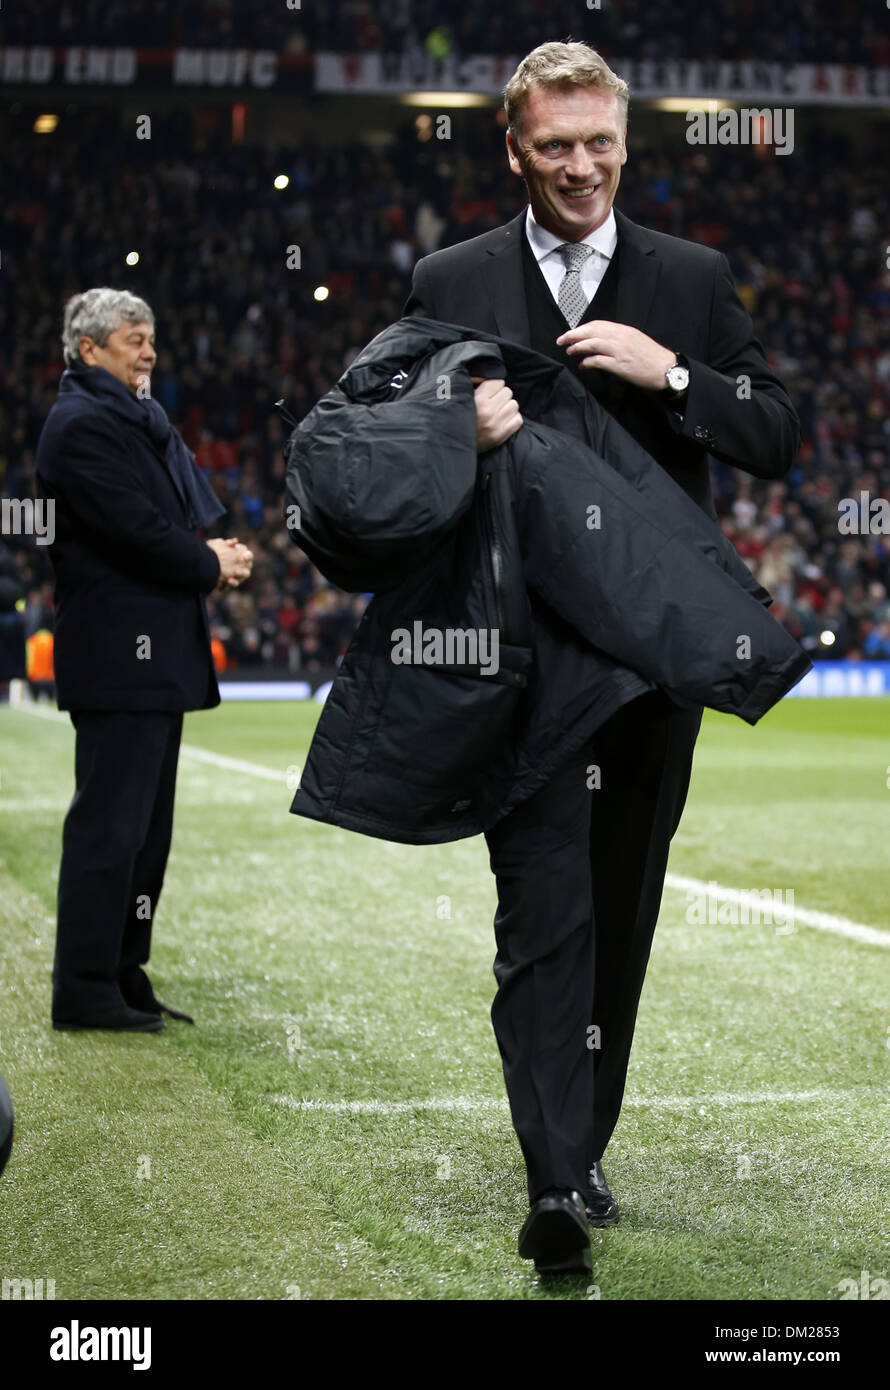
column 679, row 293
column 127, row 566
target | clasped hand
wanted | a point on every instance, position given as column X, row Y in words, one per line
column 235, row 562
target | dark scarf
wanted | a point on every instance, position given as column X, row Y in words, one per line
column 95, row 383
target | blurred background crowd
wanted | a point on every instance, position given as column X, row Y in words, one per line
column 798, row 31
column 806, row 237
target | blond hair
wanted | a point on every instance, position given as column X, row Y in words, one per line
column 560, row 66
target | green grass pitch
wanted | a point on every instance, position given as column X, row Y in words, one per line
column 336, row 1125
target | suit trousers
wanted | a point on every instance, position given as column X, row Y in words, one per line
column 580, row 871
column 115, row 843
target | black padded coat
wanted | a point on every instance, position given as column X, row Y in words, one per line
column 599, row 576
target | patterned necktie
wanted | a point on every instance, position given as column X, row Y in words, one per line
column 571, row 299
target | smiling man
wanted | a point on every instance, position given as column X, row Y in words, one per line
column 654, row 329
column 132, row 648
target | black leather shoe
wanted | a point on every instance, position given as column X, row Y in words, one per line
column 119, row 1020
column 602, row 1209
column 556, row 1234
column 139, row 994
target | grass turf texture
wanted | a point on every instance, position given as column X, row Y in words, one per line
column 750, row 1160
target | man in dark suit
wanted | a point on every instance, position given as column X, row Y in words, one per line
column 132, row 648
column 653, row 327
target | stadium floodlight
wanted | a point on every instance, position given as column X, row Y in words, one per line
column 440, row 99
column 684, row 104
column 281, row 180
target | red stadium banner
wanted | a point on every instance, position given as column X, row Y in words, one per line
column 141, row 67
column 832, row 84
column 828, row 83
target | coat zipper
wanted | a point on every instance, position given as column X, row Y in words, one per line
column 495, row 555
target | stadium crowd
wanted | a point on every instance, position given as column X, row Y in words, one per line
column 840, row 31
column 236, row 329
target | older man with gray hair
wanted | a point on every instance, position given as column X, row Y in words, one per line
column 132, row 647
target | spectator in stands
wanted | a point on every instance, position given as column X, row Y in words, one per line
column 877, row 643
column 39, row 663
column 12, row 624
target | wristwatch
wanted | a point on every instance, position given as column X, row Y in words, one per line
column 677, row 376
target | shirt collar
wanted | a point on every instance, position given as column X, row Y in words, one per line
column 603, row 239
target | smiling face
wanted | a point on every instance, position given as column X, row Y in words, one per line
column 129, row 353
column 570, row 152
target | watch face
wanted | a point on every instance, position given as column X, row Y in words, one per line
column 678, row 378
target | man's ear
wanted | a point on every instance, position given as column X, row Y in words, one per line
column 512, row 157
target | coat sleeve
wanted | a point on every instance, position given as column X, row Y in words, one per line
column 735, row 405
column 658, row 492
column 99, row 481
column 635, row 582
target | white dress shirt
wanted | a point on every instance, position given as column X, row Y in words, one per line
column 544, row 248
column 603, row 240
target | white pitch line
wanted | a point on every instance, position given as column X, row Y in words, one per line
column 822, row 921
column 203, row 755
column 809, row 917
column 667, row 1102
column 233, row 764
column 388, row 1107
column 42, row 711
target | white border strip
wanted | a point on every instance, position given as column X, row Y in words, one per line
column 264, row 690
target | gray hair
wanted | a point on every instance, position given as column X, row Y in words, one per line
column 561, row 66
column 97, row 313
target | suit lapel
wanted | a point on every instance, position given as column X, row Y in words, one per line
column 639, row 269
column 501, row 274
